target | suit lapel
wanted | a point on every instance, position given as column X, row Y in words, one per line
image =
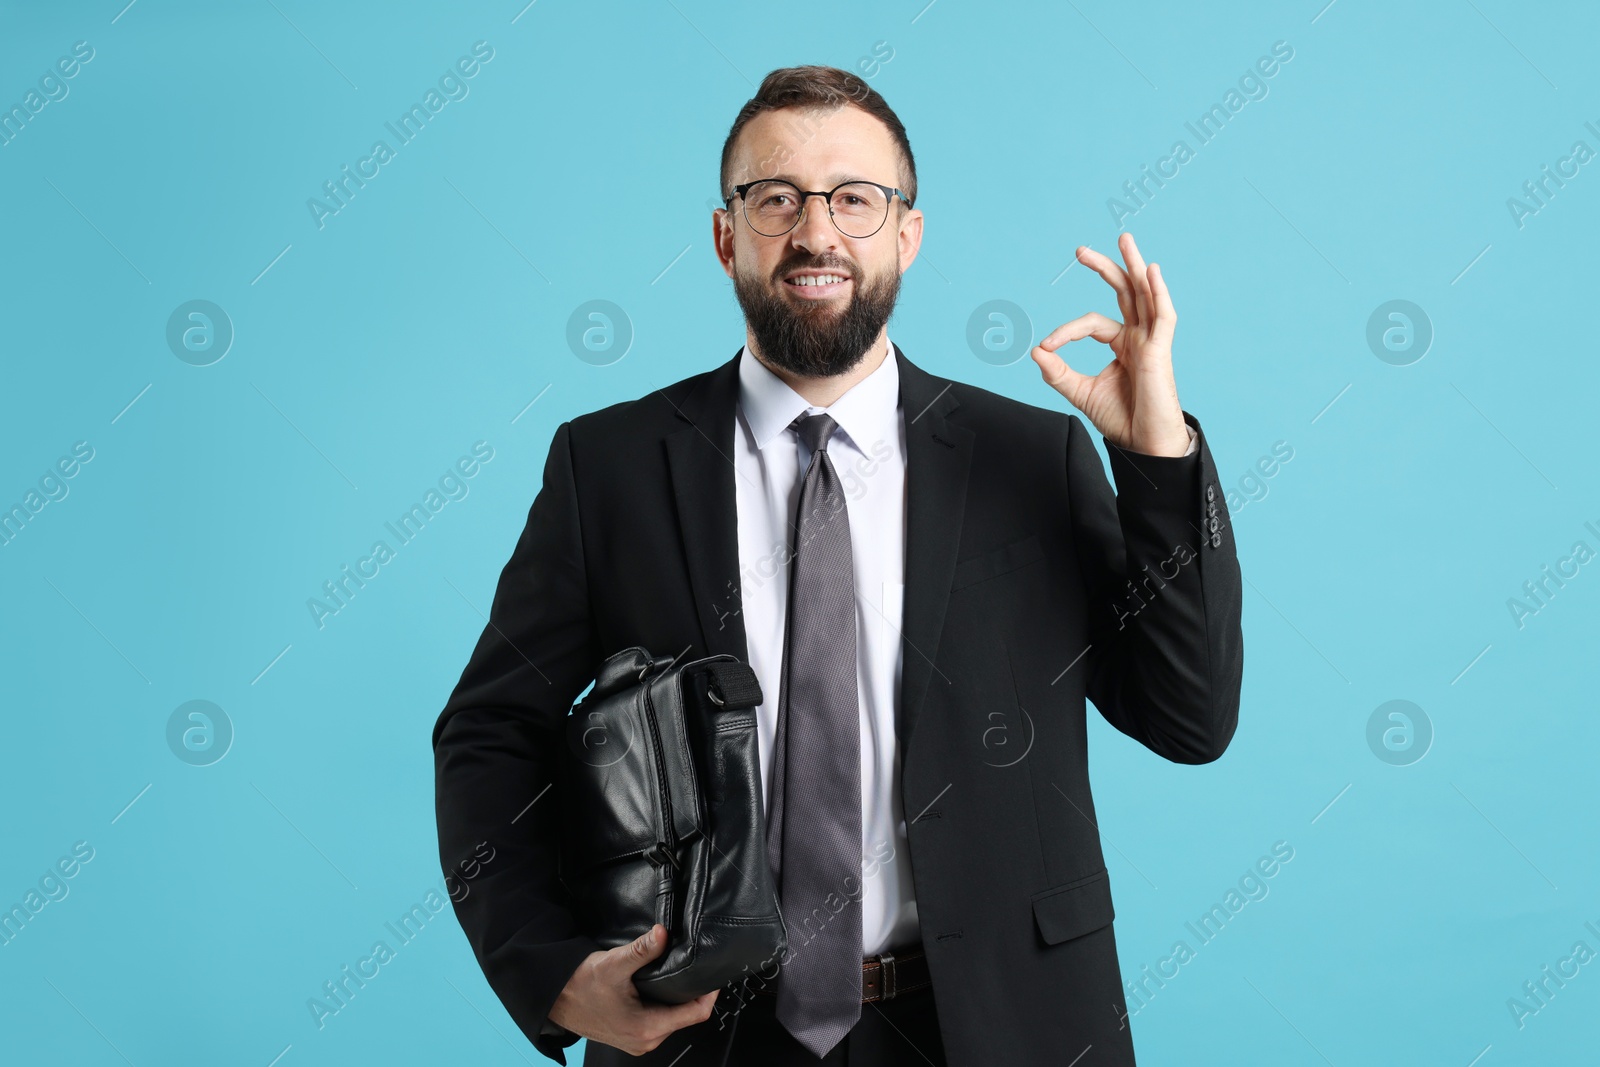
column 938, row 458
column 700, row 457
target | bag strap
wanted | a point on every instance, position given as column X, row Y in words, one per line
column 731, row 685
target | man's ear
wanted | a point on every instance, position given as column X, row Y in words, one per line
column 722, row 238
column 909, row 238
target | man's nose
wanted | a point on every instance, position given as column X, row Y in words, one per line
column 815, row 232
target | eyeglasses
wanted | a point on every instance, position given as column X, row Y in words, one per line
column 773, row 208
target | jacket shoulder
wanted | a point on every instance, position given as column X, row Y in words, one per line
column 985, row 409
column 646, row 416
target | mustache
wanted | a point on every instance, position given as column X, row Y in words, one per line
column 828, row 263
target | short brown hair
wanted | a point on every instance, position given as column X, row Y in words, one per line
column 820, row 87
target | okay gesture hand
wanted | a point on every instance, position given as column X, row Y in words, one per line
column 1133, row 401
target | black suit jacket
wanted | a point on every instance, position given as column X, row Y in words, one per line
column 1029, row 586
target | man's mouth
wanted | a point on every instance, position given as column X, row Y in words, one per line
column 816, row 284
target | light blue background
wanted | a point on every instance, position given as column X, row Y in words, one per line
column 432, row 310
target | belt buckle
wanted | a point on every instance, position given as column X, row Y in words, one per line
column 886, row 975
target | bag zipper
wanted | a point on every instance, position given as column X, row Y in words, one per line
column 663, row 852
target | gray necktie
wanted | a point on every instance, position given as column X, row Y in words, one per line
column 814, row 825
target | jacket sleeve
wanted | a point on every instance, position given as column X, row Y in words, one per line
column 495, row 750
column 1158, row 561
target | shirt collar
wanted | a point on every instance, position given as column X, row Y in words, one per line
column 866, row 413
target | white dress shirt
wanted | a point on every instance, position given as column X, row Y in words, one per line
column 868, row 451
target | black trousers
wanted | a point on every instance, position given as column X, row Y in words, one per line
column 901, row 1030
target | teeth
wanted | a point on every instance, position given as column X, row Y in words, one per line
column 824, row 279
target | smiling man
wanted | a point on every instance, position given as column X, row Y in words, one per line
column 925, row 642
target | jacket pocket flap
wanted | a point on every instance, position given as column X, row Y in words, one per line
column 1074, row 909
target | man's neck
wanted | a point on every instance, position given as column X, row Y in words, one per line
column 823, row 391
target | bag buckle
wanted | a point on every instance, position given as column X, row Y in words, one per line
column 660, row 855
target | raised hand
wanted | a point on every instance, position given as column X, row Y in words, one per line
column 1133, row 401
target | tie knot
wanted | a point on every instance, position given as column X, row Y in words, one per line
column 815, row 430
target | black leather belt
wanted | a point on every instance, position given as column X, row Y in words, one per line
column 886, row 975
column 893, row 974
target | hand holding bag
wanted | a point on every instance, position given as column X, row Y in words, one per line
column 662, row 820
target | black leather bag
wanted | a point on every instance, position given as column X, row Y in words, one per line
column 662, row 820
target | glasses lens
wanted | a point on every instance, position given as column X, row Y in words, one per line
column 859, row 209
column 771, row 207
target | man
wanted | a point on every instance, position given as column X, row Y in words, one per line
column 928, row 579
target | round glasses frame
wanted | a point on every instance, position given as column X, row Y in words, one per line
column 827, row 196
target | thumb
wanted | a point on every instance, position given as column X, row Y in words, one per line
column 1062, row 378
column 644, row 948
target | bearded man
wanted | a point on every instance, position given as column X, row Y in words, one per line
column 929, row 580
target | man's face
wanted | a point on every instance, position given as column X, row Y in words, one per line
column 816, row 330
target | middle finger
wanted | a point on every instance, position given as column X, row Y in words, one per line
column 1139, row 275
column 1116, row 278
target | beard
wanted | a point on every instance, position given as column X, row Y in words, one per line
column 816, row 338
